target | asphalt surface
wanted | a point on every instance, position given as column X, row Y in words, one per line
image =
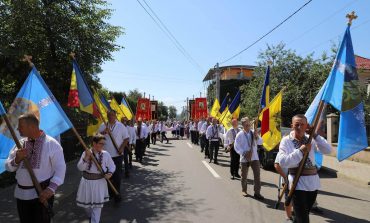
column 175, row 184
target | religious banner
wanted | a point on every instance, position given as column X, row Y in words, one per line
column 143, row 109
column 191, row 109
column 154, row 109
column 200, row 106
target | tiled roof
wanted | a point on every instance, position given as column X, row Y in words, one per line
column 362, row 62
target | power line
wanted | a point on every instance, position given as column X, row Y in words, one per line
column 334, row 37
column 169, row 35
column 321, row 22
column 185, row 51
column 259, row 39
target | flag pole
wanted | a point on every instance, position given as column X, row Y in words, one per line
column 94, row 160
column 306, row 153
column 72, row 55
column 26, row 163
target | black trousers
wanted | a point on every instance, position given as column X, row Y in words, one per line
column 139, row 150
column 147, row 140
column 117, row 175
column 31, row 211
column 203, row 141
column 126, row 157
column 234, row 162
column 302, row 204
column 192, row 138
column 196, row 137
column 164, row 137
column 154, row 137
column 213, row 149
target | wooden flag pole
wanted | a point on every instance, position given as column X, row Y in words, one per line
column 94, row 160
column 27, row 164
column 306, row 153
column 72, row 55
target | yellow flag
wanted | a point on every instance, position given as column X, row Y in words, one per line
column 126, row 109
column 226, row 118
column 115, row 106
column 215, row 108
column 103, row 110
column 93, row 128
column 270, row 122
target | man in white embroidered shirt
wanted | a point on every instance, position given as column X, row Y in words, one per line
column 245, row 145
column 291, row 150
column 119, row 133
column 46, row 158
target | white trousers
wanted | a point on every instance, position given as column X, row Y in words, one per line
column 93, row 214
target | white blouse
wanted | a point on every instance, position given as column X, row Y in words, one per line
column 103, row 158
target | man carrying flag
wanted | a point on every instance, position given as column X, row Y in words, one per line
column 120, row 135
column 46, row 157
column 341, row 91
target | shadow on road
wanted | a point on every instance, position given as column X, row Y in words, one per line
column 148, row 195
column 334, row 216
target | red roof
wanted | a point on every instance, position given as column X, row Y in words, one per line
column 362, row 62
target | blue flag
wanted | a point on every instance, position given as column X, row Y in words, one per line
column 34, row 97
column 342, row 91
column 105, row 102
column 2, row 110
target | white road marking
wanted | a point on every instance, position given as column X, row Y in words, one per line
column 189, row 145
column 211, row 169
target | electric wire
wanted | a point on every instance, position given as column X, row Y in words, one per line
column 273, row 29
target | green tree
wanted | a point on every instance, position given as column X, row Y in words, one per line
column 172, row 111
column 132, row 97
column 49, row 30
column 162, row 111
column 302, row 78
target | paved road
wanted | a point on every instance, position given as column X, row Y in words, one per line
column 175, row 185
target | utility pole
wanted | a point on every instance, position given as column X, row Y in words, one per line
column 144, row 94
column 217, row 73
column 187, row 108
column 200, row 94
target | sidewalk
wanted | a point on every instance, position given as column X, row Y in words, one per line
column 354, row 171
column 8, row 205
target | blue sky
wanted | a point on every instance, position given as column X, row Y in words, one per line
column 213, row 31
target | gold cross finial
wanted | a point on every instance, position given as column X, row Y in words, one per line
column 72, row 55
column 351, row 16
column 28, row 58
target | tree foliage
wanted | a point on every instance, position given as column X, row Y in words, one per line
column 49, row 30
column 302, row 78
column 172, row 112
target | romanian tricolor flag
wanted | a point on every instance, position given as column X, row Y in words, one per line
column 126, row 108
column 271, row 120
column 265, row 98
column 80, row 94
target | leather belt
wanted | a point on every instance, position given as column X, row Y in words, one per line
column 305, row 172
column 44, row 184
column 92, row 176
